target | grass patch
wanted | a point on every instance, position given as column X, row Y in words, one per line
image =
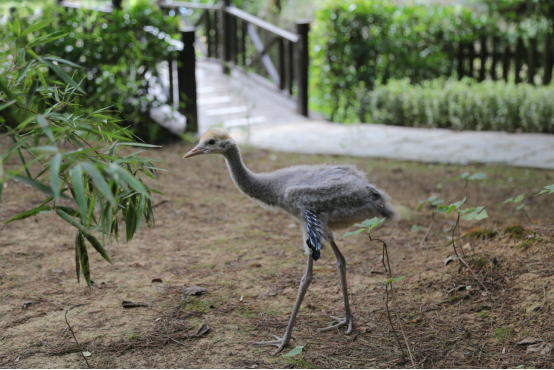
column 479, row 262
column 299, row 362
column 203, row 266
column 135, row 337
column 480, row 234
column 524, row 245
column 485, row 314
column 197, row 305
column 515, row 231
column 503, row 334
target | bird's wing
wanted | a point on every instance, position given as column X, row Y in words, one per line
column 314, row 233
column 328, row 188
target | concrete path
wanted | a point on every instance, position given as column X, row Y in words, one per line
column 261, row 117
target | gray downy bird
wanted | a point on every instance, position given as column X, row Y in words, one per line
column 322, row 198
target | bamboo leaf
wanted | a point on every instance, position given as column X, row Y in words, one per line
column 79, row 189
column 64, row 76
column 43, row 123
column 63, row 61
column 91, row 238
column 99, row 181
column 78, row 239
column 85, row 267
column 69, row 211
column 29, row 213
column 38, row 185
column 35, row 27
column 31, row 93
column 24, row 72
column 55, row 164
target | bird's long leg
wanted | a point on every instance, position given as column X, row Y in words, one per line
column 304, row 284
column 348, row 319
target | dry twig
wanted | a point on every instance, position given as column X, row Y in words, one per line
column 74, row 337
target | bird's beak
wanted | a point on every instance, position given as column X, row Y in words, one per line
column 195, row 151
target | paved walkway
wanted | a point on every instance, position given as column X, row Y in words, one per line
column 258, row 116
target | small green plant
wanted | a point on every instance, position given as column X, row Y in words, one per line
column 548, row 189
column 524, row 245
column 472, row 213
column 432, row 202
column 368, row 226
column 519, row 205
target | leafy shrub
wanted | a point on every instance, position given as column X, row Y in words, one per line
column 361, row 44
column 462, row 105
column 77, row 160
column 120, row 52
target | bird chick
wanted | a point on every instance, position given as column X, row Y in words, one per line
column 323, row 198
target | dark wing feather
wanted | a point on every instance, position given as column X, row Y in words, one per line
column 314, row 233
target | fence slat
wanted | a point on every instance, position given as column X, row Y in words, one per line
column 532, row 62
column 186, row 75
column 548, row 58
column 494, row 61
column 483, row 55
column 302, row 61
column 506, row 59
column 460, row 67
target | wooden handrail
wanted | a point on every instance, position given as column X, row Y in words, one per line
column 261, row 23
column 184, row 4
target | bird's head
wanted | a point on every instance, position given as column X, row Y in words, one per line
column 215, row 140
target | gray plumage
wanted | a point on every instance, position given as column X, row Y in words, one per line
column 336, row 196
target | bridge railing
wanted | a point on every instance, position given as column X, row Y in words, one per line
column 225, row 32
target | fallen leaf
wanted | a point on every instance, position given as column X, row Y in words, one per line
column 533, row 309
column 87, row 354
column 294, row 352
column 543, row 348
column 157, row 280
column 203, row 329
column 193, row 290
column 466, row 246
column 131, row 304
column 450, row 259
column 529, row 340
column 137, row 264
column 417, row 320
column 255, row 264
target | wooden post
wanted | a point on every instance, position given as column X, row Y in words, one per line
column 460, row 66
column 290, row 66
column 518, row 58
column 548, row 58
column 471, row 58
column 506, row 63
column 226, row 35
column 483, row 54
column 532, row 61
column 282, row 67
column 116, row 4
column 302, row 64
column 209, row 43
column 186, row 75
column 494, row 57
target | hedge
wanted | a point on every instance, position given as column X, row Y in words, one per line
column 358, row 44
column 462, row 105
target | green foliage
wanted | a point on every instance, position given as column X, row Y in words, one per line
column 548, row 189
column 81, row 162
column 463, row 105
column 472, row 213
column 363, row 43
column 368, row 225
column 432, row 202
column 119, row 53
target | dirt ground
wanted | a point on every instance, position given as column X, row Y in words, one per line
column 250, row 261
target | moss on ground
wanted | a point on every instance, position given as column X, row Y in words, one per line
column 515, row 231
column 503, row 334
column 481, row 234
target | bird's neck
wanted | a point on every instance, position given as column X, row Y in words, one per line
column 247, row 181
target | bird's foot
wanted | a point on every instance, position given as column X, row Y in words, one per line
column 343, row 321
column 279, row 342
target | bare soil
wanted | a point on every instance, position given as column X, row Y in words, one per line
column 250, row 261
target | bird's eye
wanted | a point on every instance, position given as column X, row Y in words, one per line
column 211, row 142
